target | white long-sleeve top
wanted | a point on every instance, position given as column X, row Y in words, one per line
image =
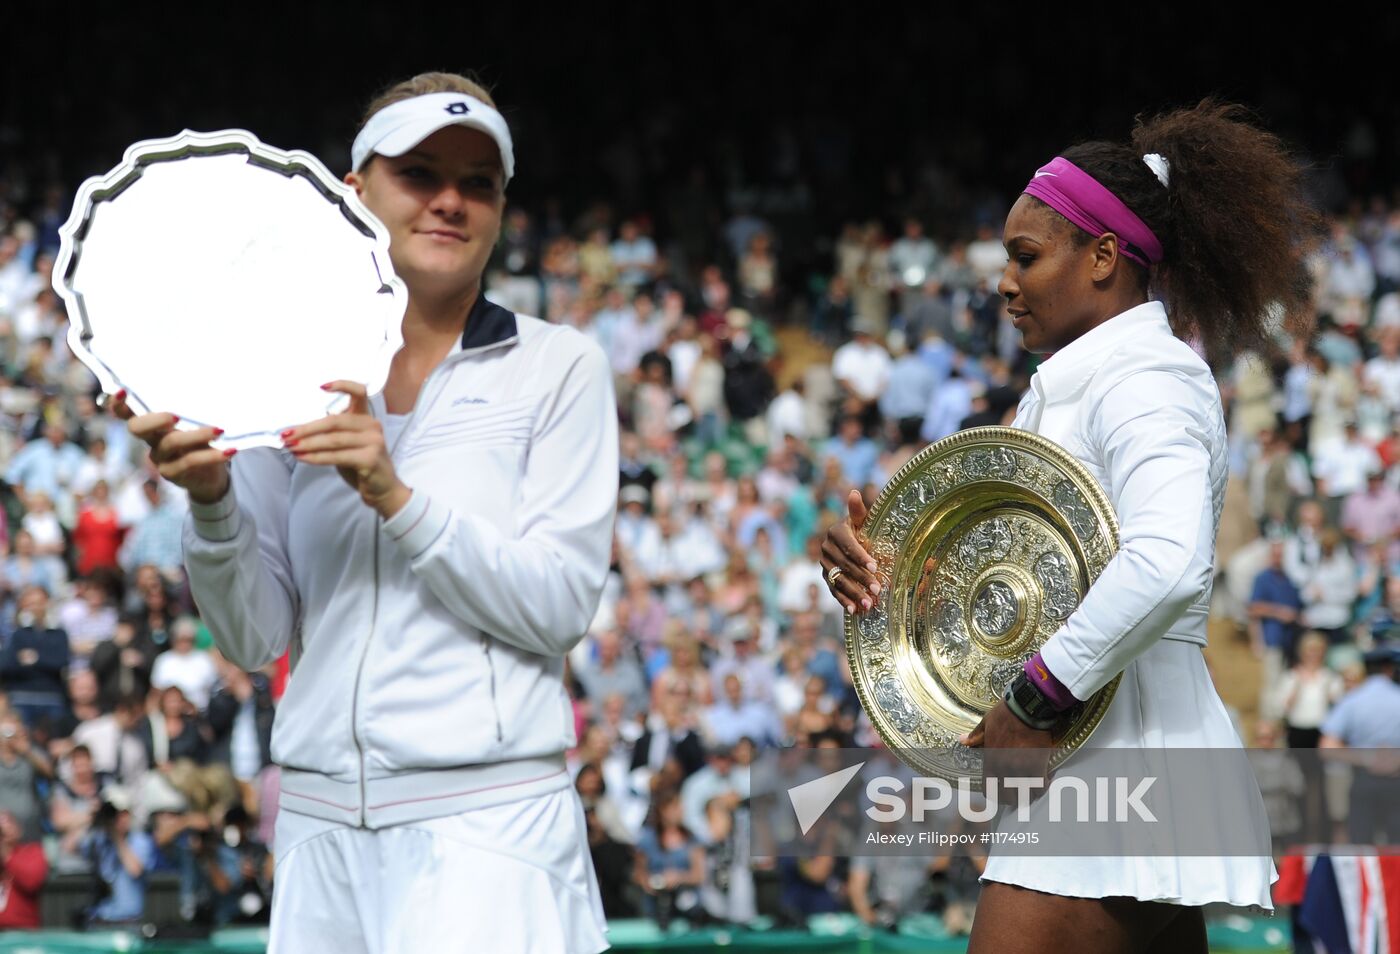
column 1141, row 410
column 431, row 645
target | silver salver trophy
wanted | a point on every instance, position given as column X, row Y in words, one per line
column 224, row 280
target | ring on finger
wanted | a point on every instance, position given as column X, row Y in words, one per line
column 833, row 574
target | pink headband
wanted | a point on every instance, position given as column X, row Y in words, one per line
column 1079, row 197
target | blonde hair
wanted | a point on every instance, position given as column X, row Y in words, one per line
column 422, row 85
column 1312, row 638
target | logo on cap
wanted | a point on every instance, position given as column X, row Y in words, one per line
column 459, row 109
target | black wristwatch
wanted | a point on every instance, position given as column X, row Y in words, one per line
column 1028, row 703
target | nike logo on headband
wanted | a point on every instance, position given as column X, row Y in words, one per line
column 1039, row 174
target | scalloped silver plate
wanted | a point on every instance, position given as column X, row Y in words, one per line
column 224, row 280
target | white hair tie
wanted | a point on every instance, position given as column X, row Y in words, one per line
column 1160, row 167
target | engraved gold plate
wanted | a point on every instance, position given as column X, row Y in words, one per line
column 986, row 542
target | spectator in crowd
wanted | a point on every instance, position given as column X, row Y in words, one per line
column 42, row 523
column 740, row 657
column 1341, row 468
column 613, row 672
column 1303, row 696
column 634, row 255
column 34, row 661
column 913, row 256
column 121, row 855
column 814, row 884
column 885, row 888
column 1329, row 587
column 815, row 716
column 593, row 793
column 47, row 466
column 870, row 279
column 862, row 368
column 122, row 664
column 1368, row 717
column 114, row 740
column 832, row 314
column 26, row 567
column 670, row 733
column 853, row 451
column 89, row 617
column 23, row 871
column 1302, row 549
column 1382, row 371
column 1274, row 604
column 684, row 673
column 240, row 724
column 23, row 766
column 183, row 666
column 609, row 843
column 722, row 779
column 84, row 705
column 748, row 384
column 670, row 866
column 758, row 275
column 1277, row 477
column 155, row 539
column 1371, row 515
column 98, row 533
column 1332, row 391
column 909, row 388
column 1283, row 784
column 950, row 405
column 735, row 717
column 73, row 806
column 175, row 730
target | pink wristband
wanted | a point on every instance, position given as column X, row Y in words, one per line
column 1051, row 688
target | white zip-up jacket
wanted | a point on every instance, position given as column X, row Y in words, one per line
column 428, row 648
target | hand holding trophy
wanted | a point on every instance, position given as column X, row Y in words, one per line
column 213, row 284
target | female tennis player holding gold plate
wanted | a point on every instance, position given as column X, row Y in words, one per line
column 1116, row 251
column 429, row 555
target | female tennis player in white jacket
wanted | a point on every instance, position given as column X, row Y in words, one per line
column 429, row 556
column 1203, row 213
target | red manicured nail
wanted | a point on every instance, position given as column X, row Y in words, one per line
column 121, row 395
column 218, row 432
column 327, row 386
column 287, row 433
column 288, row 442
column 174, row 419
column 230, row 452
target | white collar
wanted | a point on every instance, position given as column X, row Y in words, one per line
column 1065, row 373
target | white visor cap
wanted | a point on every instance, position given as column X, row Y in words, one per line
column 398, row 127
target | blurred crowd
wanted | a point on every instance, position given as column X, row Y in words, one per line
column 752, row 398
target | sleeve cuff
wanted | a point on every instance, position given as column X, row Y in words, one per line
column 217, row 522
column 1055, row 692
column 418, row 525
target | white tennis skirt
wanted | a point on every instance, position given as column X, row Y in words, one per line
column 1166, row 700
column 514, row 878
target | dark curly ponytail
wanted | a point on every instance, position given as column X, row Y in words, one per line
column 1232, row 220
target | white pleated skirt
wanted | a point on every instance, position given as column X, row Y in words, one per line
column 514, row 878
column 1166, row 700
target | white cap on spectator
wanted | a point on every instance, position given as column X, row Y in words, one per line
column 398, row 127
column 634, row 493
column 737, row 629
column 118, row 797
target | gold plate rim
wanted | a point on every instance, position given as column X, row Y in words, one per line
column 1043, row 447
